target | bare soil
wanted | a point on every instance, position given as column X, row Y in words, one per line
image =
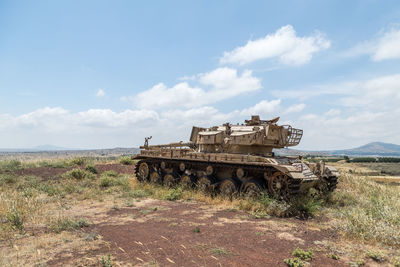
column 165, row 233
column 168, row 233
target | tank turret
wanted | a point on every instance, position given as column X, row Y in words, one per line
column 255, row 137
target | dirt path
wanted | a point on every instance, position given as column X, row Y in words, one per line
column 164, row 233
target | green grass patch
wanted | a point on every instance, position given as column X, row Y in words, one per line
column 127, row 160
column 174, row 194
column 377, row 256
column 67, row 224
column 10, row 165
column 294, row 262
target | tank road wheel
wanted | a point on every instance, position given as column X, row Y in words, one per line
column 169, row 180
column 155, row 177
column 228, row 188
column 186, row 181
column 278, row 186
column 142, row 171
column 182, row 167
column 204, row 184
column 209, row 170
column 251, row 189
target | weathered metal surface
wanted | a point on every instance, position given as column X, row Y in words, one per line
column 239, row 157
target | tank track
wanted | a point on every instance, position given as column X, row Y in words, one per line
column 252, row 173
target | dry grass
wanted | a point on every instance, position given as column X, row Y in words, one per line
column 366, row 210
column 37, row 215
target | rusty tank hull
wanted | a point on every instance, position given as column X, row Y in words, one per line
column 235, row 159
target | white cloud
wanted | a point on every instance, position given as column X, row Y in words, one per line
column 223, row 83
column 264, row 108
column 323, row 132
column 381, row 92
column 385, row 46
column 100, row 93
column 295, row 108
column 332, row 112
column 283, row 44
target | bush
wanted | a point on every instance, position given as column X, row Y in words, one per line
column 77, row 161
column 106, row 181
column 78, row 174
column 127, row 160
column 106, row 262
column 92, row 169
column 173, row 194
column 304, row 255
column 294, row 262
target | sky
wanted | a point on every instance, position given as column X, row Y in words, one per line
column 103, row 74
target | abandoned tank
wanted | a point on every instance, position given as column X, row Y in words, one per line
column 234, row 159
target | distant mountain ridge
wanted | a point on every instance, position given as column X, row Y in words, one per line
column 374, row 149
column 378, row 149
column 371, row 149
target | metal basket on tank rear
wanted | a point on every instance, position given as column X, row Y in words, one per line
column 293, row 135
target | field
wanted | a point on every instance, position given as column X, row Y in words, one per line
column 91, row 211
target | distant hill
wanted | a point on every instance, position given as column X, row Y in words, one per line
column 54, row 152
column 371, row 149
column 378, row 149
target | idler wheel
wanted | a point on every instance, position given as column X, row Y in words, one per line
column 228, row 188
column 278, row 185
column 186, row 181
column 155, row 177
column 251, row 189
column 169, row 180
column 204, row 184
column 143, row 171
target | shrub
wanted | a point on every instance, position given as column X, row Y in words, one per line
column 127, row 160
column 106, row 181
column 106, row 262
column 92, row 169
column 305, row 207
column 304, row 255
column 173, row 194
column 77, row 161
column 294, row 262
column 78, row 174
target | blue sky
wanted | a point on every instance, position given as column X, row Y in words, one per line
column 93, row 74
